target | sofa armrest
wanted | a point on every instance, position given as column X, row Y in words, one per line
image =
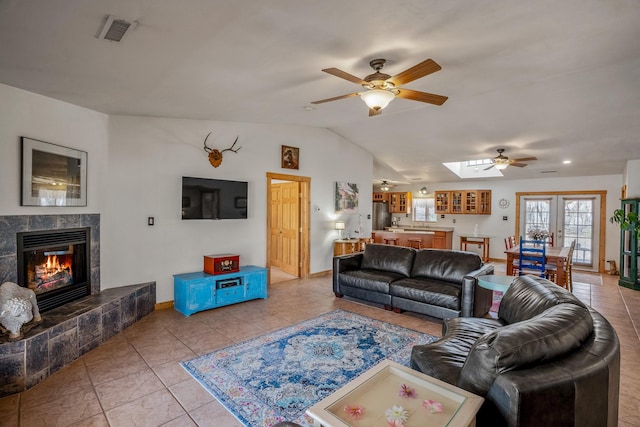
column 344, row 263
column 475, row 301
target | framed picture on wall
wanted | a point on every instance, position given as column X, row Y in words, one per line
column 52, row 175
column 290, row 157
column 346, row 198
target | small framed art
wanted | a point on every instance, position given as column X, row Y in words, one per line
column 290, row 157
column 52, row 175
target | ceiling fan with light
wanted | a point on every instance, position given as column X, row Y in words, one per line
column 385, row 186
column 501, row 162
column 380, row 88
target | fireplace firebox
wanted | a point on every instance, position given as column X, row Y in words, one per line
column 55, row 264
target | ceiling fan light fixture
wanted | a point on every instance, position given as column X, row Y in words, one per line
column 385, row 186
column 377, row 99
column 501, row 166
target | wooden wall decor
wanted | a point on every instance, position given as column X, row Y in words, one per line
column 215, row 156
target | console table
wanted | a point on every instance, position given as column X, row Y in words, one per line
column 476, row 239
column 193, row 292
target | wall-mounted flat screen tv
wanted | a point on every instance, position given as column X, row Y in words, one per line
column 204, row 198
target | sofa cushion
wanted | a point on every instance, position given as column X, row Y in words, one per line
column 394, row 259
column 450, row 266
column 552, row 334
column 529, row 296
column 372, row 280
column 435, row 292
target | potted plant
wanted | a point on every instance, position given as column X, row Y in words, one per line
column 626, row 221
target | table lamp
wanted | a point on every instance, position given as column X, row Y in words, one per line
column 340, row 227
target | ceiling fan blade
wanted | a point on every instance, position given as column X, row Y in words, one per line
column 344, row 75
column 525, row 159
column 487, row 168
column 422, row 69
column 422, row 96
column 335, row 98
column 520, row 165
column 373, row 112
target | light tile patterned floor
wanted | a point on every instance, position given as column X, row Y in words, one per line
column 135, row 379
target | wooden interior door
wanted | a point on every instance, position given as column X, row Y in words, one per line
column 290, row 227
column 304, row 218
column 276, row 226
column 285, row 230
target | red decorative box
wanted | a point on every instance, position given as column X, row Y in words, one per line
column 221, row 263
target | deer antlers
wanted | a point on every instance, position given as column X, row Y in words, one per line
column 215, row 156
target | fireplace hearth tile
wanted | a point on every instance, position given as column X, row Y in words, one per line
column 63, row 349
column 111, row 325
column 128, row 310
column 37, row 354
column 64, row 334
column 90, row 327
column 12, row 378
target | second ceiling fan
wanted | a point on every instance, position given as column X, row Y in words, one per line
column 501, row 162
column 381, row 88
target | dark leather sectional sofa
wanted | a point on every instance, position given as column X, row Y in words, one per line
column 438, row 283
column 548, row 360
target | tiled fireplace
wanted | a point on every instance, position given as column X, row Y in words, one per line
column 75, row 320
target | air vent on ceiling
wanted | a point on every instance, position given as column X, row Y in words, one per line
column 115, row 29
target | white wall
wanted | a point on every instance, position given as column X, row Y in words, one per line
column 493, row 224
column 147, row 158
column 632, row 178
column 135, row 167
column 26, row 114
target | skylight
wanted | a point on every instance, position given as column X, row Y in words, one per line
column 473, row 169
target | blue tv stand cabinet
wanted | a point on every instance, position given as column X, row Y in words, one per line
column 193, row 292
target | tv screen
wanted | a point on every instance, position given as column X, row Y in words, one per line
column 204, row 198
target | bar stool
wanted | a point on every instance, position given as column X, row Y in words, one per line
column 391, row 241
column 415, row 243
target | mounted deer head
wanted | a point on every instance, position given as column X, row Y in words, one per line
column 215, row 156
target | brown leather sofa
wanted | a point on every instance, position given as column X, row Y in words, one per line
column 547, row 360
column 435, row 282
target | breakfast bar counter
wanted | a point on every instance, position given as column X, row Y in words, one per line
column 436, row 237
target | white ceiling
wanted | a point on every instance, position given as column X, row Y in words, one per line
column 552, row 79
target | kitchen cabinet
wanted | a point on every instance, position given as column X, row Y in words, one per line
column 400, row 203
column 442, row 201
column 471, row 202
column 380, row 197
column 443, row 240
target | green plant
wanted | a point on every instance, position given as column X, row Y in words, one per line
column 626, row 221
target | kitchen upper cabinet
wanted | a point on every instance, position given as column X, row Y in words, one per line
column 472, row 202
column 400, row 203
column 380, row 196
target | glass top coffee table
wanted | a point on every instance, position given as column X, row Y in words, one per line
column 495, row 282
column 379, row 389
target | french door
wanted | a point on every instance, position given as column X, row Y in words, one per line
column 568, row 217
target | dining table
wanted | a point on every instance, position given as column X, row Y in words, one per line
column 553, row 255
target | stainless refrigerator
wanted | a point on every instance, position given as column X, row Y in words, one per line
column 381, row 216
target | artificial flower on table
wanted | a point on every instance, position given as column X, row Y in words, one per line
column 538, row 234
column 432, row 406
column 354, row 411
column 396, row 416
column 406, row 391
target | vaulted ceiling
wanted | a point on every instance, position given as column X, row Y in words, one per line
column 558, row 80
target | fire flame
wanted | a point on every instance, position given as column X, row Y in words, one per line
column 54, row 265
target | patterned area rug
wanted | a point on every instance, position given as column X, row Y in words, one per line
column 277, row 376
